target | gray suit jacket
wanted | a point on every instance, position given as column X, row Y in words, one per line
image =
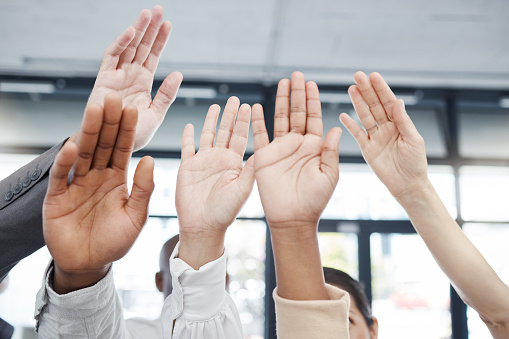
column 21, row 198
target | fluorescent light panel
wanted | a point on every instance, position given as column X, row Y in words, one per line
column 27, row 87
column 197, row 93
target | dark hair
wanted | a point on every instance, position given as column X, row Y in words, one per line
column 353, row 287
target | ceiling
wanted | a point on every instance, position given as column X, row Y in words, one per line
column 421, row 43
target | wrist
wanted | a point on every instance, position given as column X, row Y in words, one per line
column 414, row 193
column 293, row 231
column 68, row 281
column 199, row 249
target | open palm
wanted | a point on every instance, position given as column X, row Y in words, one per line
column 213, row 184
column 128, row 68
column 93, row 221
column 298, row 171
column 390, row 142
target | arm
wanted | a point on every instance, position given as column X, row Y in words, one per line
column 296, row 175
column 128, row 68
column 395, row 151
column 92, row 222
column 20, row 213
column 212, row 186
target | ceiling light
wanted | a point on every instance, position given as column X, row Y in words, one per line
column 27, row 87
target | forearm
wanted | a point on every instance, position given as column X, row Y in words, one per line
column 460, row 260
column 299, row 270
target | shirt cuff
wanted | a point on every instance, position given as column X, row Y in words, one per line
column 78, row 304
column 305, row 318
column 197, row 295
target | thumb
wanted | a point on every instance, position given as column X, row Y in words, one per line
column 143, row 186
column 247, row 176
column 166, row 94
column 330, row 154
column 403, row 122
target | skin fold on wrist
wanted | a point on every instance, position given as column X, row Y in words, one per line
column 65, row 282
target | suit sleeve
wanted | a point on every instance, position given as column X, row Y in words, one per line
column 21, row 198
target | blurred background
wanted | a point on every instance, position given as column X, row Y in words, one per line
column 449, row 61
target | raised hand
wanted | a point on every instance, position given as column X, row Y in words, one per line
column 93, row 221
column 297, row 172
column 212, row 185
column 296, row 175
column 128, row 68
column 389, row 141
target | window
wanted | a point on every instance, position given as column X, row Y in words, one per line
column 491, row 241
column 484, row 193
column 410, row 292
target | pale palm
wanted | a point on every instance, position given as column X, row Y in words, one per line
column 293, row 183
column 392, row 146
column 128, row 68
column 397, row 162
column 298, row 171
column 213, row 184
column 208, row 191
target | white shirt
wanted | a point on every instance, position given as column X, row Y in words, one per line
column 199, row 305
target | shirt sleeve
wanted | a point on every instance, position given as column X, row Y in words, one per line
column 324, row 319
column 92, row 312
column 199, row 306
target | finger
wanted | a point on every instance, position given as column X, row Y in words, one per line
column 298, row 104
column 355, row 130
column 240, row 134
column 187, row 142
column 282, row 111
column 166, row 94
column 247, row 178
column 227, row 121
column 143, row 186
column 208, row 132
column 109, row 130
column 87, row 138
column 61, row 167
column 403, row 122
column 260, row 135
column 112, row 53
column 330, row 154
column 150, row 35
column 362, row 109
column 384, row 92
column 370, row 97
column 158, row 46
column 140, row 25
column 125, row 140
column 314, row 123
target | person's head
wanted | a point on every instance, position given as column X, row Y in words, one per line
column 363, row 325
column 163, row 277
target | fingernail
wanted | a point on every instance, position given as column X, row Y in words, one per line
column 403, row 105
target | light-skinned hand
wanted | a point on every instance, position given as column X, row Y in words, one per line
column 128, row 68
column 213, row 184
column 389, row 142
column 297, row 172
